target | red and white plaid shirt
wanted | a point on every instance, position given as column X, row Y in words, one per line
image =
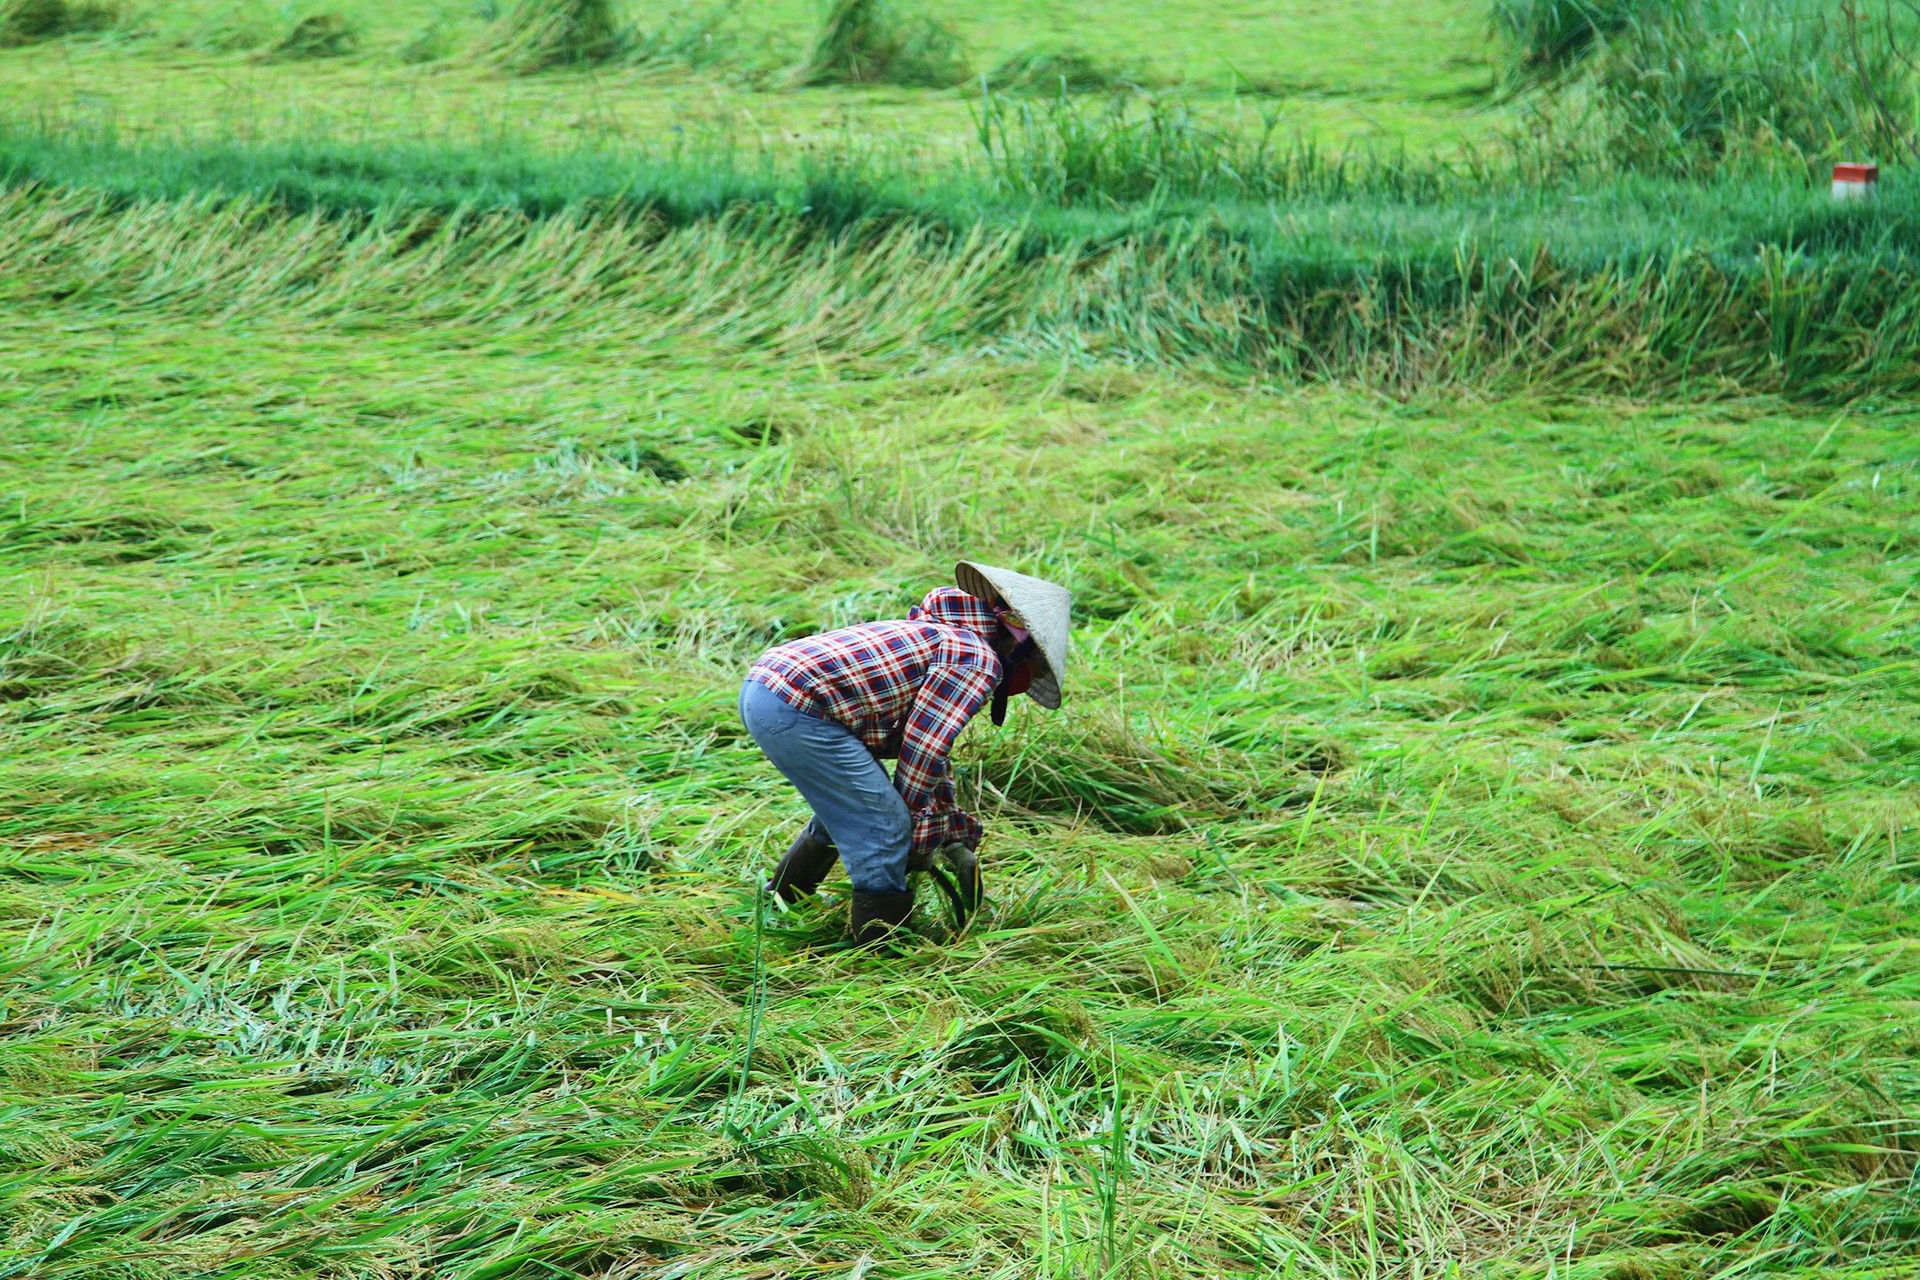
column 907, row 689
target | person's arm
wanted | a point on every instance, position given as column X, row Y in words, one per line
column 948, row 698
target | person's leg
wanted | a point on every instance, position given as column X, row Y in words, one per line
column 806, row 863
column 811, row 856
column 851, row 796
column 816, row 830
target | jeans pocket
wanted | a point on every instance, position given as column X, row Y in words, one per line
column 764, row 714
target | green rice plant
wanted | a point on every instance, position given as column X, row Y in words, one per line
column 535, row 35
column 883, row 42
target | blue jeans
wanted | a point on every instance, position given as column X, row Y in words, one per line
column 855, row 807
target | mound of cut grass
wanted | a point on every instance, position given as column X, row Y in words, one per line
column 31, row 21
column 318, row 35
column 536, row 35
column 430, row 43
column 704, row 34
column 1103, row 770
column 883, row 42
column 1038, row 70
column 25, row 21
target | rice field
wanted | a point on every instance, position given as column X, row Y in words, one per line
column 413, row 68
column 1480, row 839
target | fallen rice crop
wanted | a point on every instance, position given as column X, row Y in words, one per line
column 1480, row 835
column 1480, row 838
column 1494, row 294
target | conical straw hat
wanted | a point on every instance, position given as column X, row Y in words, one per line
column 1044, row 608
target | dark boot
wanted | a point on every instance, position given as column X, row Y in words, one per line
column 805, row 865
column 877, row 917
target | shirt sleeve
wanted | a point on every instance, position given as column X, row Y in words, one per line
column 949, row 696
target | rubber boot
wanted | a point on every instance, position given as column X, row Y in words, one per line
column 805, row 865
column 879, row 917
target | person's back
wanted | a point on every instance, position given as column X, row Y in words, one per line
column 866, row 677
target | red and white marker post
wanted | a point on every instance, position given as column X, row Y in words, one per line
column 1855, row 181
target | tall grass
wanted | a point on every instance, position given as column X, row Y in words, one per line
column 1699, row 85
column 1058, row 153
column 1720, row 81
column 1548, row 36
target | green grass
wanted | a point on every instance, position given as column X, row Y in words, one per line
column 1479, row 834
column 1480, row 838
column 1374, row 47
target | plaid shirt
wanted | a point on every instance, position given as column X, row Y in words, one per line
column 907, row 689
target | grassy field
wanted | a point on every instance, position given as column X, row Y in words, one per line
column 1375, row 47
column 1339, row 74
column 1481, row 838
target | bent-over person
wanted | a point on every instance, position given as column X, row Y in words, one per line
column 827, row 709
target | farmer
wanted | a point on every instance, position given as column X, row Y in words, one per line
column 827, row 709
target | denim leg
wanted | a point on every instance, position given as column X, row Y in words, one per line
column 851, row 795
